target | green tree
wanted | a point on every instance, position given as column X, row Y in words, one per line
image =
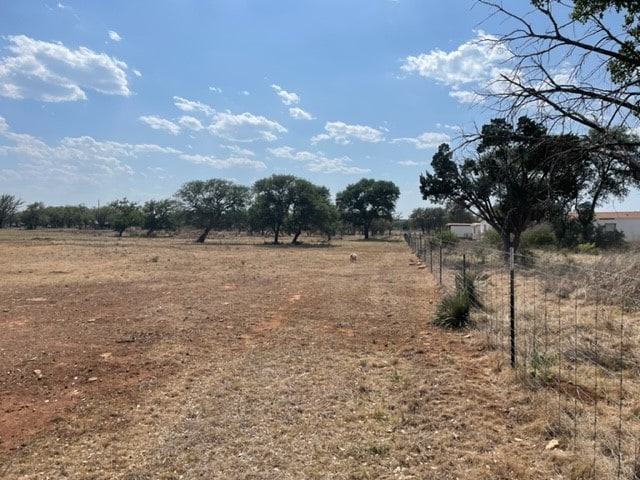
column 559, row 49
column 9, row 205
column 160, row 215
column 124, row 214
column 367, row 200
column 521, row 175
column 214, row 203
column 311, row 209
column 34, row 215
column 427, row 220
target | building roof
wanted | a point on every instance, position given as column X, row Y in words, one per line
column 616, row 215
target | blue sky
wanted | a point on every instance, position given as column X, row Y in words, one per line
column 104, row 100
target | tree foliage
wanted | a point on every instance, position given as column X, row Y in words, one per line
column 9, row 205
column 367, row 200
column 520, row 175
column 124, row 214
column 214, row 203
column 428, row 220
column 160, row 215
column 288, row 204
column 575, row 62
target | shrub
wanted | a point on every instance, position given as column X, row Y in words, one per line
column 539, row 237
column 466, row 283
column 453, row 310
column 607, row 239
column 491, row 238
column 448, row 238
column 588, row 248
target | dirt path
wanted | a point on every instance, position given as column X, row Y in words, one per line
column 249, row 362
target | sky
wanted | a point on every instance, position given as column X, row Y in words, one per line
column 104, row 100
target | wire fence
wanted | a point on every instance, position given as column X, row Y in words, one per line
column 570, row 326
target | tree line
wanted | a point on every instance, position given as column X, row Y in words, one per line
column 279, row 204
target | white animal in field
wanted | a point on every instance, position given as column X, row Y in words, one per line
column 353, row 257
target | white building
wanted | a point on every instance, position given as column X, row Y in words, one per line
column 625, row 222
column 472, row 231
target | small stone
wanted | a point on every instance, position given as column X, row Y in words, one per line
column 38, row 373
column 92, row 379
column 552, row 444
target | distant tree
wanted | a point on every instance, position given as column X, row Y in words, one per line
column 34, row 215
column 124, row 214
column 458, row 214
column 311, row 210
column 573, row 61
column 367, row 200
column 9, row 205
column 214, row 203
column 521, row 175
column 428, row 220
column 160, row 215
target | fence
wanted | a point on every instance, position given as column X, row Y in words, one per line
column 570, row 326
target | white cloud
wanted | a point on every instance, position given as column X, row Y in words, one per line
column 158, row 123
column 215, row 89
column 299, row 114
column 342, row 133
column 288, row 98
column 137, row 72
column 245, row 127
column 244, row 93
column 192, row 106
column 424, row 140
column 191, row 123
column 114, row 36
column 317, row 161
column 72, row 159
column 473, row 61
column 223, row 163
column 408, row 163
column 241, row 152
column 51, row 72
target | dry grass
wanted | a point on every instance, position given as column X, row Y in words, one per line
column 164, row 359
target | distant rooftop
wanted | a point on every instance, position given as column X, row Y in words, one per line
column 611, row 215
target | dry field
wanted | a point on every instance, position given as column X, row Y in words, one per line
column 141, row 359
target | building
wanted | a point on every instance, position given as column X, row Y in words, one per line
column 471, row 231
column 625, row 222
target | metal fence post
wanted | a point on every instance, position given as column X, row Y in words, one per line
column 440, row 274
column 512, row 307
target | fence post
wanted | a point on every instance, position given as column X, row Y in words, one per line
column 431, row 256
column 440, row 273
column 512, row 307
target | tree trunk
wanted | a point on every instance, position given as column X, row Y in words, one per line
column 295, row 237
column 366, row 232
column 203, row 235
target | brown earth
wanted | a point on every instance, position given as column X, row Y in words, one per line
column 141, row 358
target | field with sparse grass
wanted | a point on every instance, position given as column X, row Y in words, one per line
column 141, row 358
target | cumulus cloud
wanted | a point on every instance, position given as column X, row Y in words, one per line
column 192, row 106
column 223, row 162
column 237, row 151
column 424, row 140
column 343, row 133
column 114, row 36
column 158, row 123
column 318, row 162
column 474, row 61
column 245, row 127
column 72, row 159
column 52, row 72
column 299, row 114
column 191, row 123
column 288, row 98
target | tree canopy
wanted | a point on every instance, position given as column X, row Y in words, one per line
column 285, row 203
column 9, row 205
column 364, row 202
column 213, row 203
column 576, row 62
column 520, row 175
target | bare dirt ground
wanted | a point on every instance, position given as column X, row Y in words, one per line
column 158, row 358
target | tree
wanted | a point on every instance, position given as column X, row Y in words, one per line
column 285, row 203
column 367, row 200
column 34, row 216
column 124, row 214
column 9, row 205
column 520, row 175
column 601, row 90
column 427, row 220
column 214, row 203
column 311, row 209
column 160, row 215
